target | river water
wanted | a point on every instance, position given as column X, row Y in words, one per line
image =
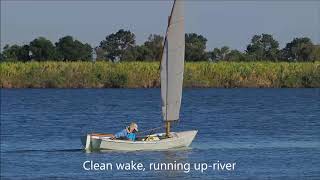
column 268, row 133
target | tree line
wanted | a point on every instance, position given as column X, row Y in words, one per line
column 121, row 46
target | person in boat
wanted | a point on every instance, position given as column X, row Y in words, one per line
column 127, row 133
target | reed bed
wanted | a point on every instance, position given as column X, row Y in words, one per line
column 52, row 74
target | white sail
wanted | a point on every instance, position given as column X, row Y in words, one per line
column 172, row 63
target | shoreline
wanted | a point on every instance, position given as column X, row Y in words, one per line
column 74, row 75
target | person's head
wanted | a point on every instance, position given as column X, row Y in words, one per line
column 133, row 127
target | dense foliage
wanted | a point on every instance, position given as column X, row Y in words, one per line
column 121, row 46
column 146, row 74
column 42, row 49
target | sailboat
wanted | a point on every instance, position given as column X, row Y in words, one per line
column 171, row 74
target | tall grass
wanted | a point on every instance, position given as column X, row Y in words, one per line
column 146, row 74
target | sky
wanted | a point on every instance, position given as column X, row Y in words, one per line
column 230, row 23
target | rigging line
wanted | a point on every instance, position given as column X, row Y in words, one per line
column 148, row 130
column 167, row 79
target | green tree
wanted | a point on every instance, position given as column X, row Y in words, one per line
column 219, row 54
column 151, row 50
column 100, row 53
column 24, row 53
column 235, row 55
column 116, row 44
column 131, row 54
column 71, row 50
column 11, row 52
column 299, row 49
column 195, row 47
column 16, row 52
column 153, row 47
column 42, row 49
column 138, row 53
column 214, row 54
column 263, row 47
column 1, row 57
column 316, row 53
column 225, row 50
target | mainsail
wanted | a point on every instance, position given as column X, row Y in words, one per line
column 172, row 63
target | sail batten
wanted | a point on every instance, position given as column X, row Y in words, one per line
column 172, row 64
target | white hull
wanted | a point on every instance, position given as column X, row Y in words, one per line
column 178, row 139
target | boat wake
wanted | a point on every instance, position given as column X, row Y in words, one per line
column 253, row 145
column 41, row 150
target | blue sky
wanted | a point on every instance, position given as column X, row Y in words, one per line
column 230, row 23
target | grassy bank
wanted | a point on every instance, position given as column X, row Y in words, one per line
column 143, row 74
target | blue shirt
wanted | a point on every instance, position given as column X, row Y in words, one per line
column 131, row 136
column 122, row 133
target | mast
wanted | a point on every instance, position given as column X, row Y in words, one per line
column 168, row 123
column 172, row 65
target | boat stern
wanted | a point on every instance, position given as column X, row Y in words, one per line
column 90, row 142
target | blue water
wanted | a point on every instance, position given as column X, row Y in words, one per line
column 269, row 133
